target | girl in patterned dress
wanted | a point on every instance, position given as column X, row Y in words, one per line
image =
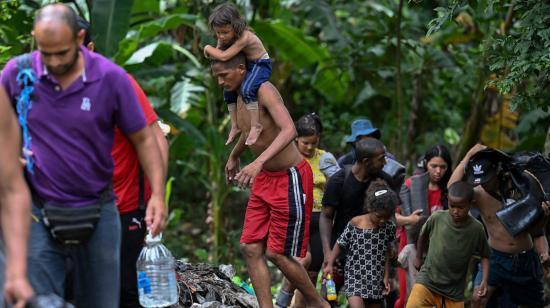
column 366, row 241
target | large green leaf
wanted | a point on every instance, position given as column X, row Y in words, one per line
column 291, row 43
column 157, row 53
column 110, row 24
column 152, row 28
column 184, row 94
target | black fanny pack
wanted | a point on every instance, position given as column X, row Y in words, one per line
column 72, row 226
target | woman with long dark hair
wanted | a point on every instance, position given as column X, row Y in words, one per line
column 426, row 192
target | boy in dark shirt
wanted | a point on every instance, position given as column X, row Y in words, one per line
column 453, row 237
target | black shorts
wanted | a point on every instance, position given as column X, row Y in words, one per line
column 520, row 275
column 315, row 246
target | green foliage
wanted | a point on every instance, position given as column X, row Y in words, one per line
column 15, row 27
column 520, row 58
column 110, row 23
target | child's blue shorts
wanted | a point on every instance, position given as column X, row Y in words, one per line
column 257, row 72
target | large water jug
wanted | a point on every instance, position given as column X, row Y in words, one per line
column 156, row 274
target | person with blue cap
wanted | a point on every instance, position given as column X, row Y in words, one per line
column 360, row 129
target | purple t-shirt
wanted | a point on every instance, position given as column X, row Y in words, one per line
column 72, row 129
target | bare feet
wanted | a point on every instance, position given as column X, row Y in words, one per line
column 234, row 132
column 255, row 132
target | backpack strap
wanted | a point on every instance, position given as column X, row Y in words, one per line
column 347, row 172
column 141, row 192
column 26, row 79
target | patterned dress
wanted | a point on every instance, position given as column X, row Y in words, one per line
column 365, row 259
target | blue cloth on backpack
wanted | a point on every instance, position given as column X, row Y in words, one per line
column 26, row 79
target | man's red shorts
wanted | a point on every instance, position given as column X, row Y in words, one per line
column 279, row 209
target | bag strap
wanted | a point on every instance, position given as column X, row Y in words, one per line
column 141, row 192
column 39, row 202
column 26, row 80
column 347, row 172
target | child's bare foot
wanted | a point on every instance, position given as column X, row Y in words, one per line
column 234, row 132
column 255, row 132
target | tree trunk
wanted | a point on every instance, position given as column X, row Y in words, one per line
column 473, row 126
column 416, row 103
column 399, row 93
column 547, row 143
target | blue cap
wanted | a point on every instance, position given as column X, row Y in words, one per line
column 362, row 127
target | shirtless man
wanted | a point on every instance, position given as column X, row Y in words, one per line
column 514, row 265
column 276, row 224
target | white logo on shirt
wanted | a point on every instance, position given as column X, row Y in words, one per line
column 86, row 104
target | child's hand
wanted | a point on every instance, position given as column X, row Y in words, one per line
column 205, row 51
column 387, row 286
column 328, row 270
column 482, row 290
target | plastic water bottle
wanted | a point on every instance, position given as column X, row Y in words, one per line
column 331, row 288
column 156, row 274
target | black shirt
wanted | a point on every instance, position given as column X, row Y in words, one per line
column 346, row 198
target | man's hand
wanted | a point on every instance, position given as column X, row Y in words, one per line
column 387, row 286
column 328, row 269
column 155, row 215
column 482, row 289
column 245, row 178
column 545, row 262
column 415, row 216
column 546, row 207
column 232, row 167
column 476, row 148
column 17, row 291
column 205, row 51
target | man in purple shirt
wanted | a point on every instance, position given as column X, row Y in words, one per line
column 78, row 100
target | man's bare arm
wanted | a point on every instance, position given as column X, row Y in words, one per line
column 232, row 167
column 420, row 249
column 15, row 202
column 162, row 144
column 148, row 152
column 272, row 101
column 541, row 247
column 325, row 228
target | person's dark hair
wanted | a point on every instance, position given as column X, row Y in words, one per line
column 462, row 190
column 380, row 198
column 440, row 150
column 83, row 24
column 227, row 14
column 367, row 148
column 239, row 58
column 309, row 125
column 59, row 11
